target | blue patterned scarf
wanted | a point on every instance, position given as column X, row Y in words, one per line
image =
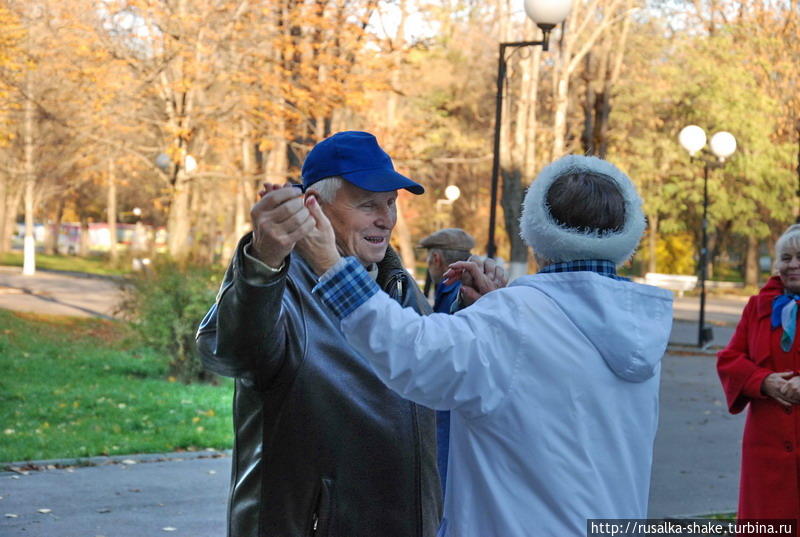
column 784, row 313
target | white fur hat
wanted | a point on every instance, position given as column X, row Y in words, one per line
column 557, row 243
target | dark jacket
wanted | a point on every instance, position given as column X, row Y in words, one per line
column 322, row 446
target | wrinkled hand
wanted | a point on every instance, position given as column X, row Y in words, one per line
column 791, row 390
column 318, row 246
column 478, row 276
column 495, row 272
column 279, row 220
column 774, row 385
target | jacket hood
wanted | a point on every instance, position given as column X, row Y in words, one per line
column 628, row 323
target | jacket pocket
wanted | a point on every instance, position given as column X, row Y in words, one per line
column 323, row 510
column 760, row 345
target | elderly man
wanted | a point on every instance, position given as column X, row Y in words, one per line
column 445, row 247
column 322, row 446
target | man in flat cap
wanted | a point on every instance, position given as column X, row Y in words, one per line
column 444, row 247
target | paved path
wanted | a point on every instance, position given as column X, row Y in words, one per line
column 698, row 443
column 184, row 498
column 58, row 294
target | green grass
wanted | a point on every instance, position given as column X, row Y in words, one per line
column 92, row 265
column 74, row 388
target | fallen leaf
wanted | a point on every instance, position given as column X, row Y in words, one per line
column 169, row 528
column 104, row 510
column 44, row 511
column 128, row 461
column 11, row 515
column 134, row 490
column 212, row 472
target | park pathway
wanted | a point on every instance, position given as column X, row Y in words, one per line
column 57, row 293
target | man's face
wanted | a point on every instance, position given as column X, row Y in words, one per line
column 362, row 221
column 436, row 265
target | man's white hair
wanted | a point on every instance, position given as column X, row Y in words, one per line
column 557, row 244
column 326, row 188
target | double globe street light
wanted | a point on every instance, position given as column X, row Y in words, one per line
column 546, row 14
column 723, row 145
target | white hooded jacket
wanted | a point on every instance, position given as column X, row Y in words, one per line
column 553, row 383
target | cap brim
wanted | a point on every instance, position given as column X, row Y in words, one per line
column 382, row 180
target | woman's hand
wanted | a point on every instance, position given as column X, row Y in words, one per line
column 791, row 390
column 775, row 384
column 318, row 246
column 478, row 276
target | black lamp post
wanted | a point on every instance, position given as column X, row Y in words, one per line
column 546, row 14
column 723, row 145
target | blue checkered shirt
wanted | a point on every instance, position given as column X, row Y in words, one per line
column 345, row 287
column 600, row 266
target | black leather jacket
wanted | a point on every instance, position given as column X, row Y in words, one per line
column 322, row 447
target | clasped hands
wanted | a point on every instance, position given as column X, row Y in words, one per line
column 783, row 387
column 284, row 219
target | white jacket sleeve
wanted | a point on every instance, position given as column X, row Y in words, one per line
column 463, row 362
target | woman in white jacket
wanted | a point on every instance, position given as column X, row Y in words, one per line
column 552, row 381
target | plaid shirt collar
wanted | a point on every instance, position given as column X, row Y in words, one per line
column 600, row 266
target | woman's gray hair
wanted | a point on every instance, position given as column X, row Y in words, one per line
column 326, row 188
column 790, row 239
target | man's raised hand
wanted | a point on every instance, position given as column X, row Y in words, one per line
column 318, row 246
column 478, row 275
column 279, row 220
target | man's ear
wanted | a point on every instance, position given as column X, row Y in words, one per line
column 437, row 258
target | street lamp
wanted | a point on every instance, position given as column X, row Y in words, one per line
column 546, row 14
column 723, row 145
column 451, row 194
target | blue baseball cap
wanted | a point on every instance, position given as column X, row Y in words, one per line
column 357, row 157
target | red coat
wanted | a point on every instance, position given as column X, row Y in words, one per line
column 771, row 443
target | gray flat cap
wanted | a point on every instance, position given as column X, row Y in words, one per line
column 449, row 238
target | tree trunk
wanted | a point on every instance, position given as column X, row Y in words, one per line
column 112, row 212
column 276, row 164
column 4, row 208
column 84, row 246
column 29, row 246
column 55, row 228
column 712, row 247
column 587, row 136
column 531, row 123
column 652, row 244
column 560, row 116
column 13, row 199
column 178, row 224
column 751, row 262
column 512, row 209
column 404, row 240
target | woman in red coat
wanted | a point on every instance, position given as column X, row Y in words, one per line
column 760, row 367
